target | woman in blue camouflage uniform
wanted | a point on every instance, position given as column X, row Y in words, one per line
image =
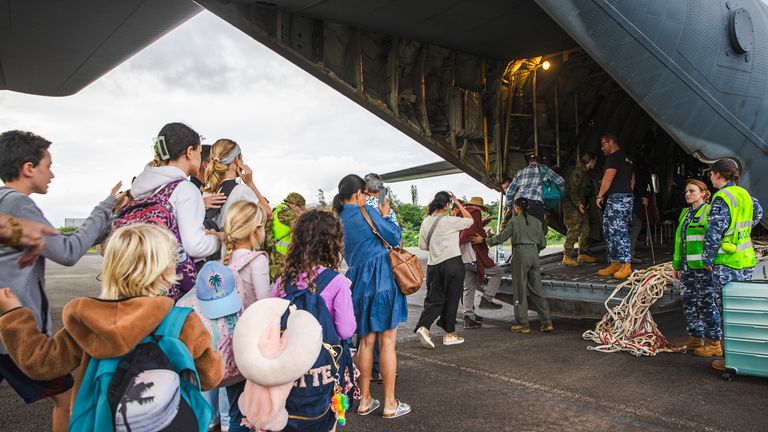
column 728, row 251
column 698, row 293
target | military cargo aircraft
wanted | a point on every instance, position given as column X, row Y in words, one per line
column 479, row 83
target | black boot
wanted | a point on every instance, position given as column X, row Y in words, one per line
column 487, row 304
column 471, row 323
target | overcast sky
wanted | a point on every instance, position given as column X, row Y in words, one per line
column 296, row 133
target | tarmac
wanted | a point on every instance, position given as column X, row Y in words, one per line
column 499, row 381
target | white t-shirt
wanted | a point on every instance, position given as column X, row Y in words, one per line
column 445, row 240
column 241, row 192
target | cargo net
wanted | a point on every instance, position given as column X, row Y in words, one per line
column 629, row 326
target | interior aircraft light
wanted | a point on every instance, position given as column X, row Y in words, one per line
column 546, row 65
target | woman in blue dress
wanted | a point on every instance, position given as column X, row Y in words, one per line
column 379, row 304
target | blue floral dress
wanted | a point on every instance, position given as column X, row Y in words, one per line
column 379, row 305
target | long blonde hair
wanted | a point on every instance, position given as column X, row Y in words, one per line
column 140, row 260
column 242, row 220
column 214, row 172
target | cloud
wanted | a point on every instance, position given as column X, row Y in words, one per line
column 297, row 133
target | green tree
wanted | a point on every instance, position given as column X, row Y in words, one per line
column 414, row 195
column 321, row 199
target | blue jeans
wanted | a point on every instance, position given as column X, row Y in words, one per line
column 235, row 416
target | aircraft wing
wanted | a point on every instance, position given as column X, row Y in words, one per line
column 56, row 48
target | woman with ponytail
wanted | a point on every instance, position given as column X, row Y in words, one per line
column 221, row 175
column 177, row 150
column 527, row 241
column 378, row 303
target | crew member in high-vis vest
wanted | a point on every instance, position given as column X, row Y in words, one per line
column 698, row 292
column 279, row 231
column 728, row 250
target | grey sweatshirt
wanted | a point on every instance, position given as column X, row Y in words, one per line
column 29, row 283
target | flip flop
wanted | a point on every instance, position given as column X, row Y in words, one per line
column 402, row 409
column 375, row 404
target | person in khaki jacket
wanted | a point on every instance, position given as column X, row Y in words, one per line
column 128, row 309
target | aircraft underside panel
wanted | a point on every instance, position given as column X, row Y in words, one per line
column 677, row 60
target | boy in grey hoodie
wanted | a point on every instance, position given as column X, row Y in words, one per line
column 25, row 168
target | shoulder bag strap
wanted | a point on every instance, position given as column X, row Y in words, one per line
column 373, row 227
column 432, row 230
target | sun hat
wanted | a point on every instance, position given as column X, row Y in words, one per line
column 477, row 202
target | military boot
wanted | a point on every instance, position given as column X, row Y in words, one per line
column 584, row 258
column 611, row 269
column 691, row 343
column 624, row 271
column 718, row 365
column 569, row 261
column 711, row 349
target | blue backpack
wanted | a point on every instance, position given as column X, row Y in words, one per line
column 308, row 403
column 154, row 387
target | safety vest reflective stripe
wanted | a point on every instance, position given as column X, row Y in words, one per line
column 740, row 225
column 694, row 238
column 690, row 258
column 733, row 201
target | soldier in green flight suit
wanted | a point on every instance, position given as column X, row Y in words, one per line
column 528, row 240
column 279, row 231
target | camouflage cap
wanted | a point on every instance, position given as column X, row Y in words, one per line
column 295, row 198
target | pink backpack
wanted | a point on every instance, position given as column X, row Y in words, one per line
column 221, row 329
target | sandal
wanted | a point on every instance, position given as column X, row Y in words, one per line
column 402, row 409
column 375, row 404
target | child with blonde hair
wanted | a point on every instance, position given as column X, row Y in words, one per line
column 131, row 315
column 242, row 278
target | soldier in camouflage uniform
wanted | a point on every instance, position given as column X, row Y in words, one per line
column 278, row 231
column 728, row 251
column 574, row 211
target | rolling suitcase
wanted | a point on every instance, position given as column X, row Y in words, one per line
column 745, row 328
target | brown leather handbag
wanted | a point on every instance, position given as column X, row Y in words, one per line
column 406, row 267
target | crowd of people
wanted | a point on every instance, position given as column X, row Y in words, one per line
column 194, row 230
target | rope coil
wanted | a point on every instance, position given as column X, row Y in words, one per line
column 629, row 326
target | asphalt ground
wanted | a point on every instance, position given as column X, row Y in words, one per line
column 501, row 381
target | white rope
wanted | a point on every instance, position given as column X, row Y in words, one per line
column 629, row 326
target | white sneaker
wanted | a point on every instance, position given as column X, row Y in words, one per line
column 425, row 338
column 452, row 339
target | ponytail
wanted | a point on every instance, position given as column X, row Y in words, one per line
column 439, row 202
column 337, row 204
column 214, row 173
column 523, row 204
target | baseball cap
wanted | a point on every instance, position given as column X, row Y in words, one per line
column 295, row 198
column 216, row 290
column 724, row 164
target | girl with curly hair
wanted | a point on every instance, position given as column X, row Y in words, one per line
column 317, row 246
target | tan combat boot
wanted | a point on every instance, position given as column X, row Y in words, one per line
column 584, row 258
column 718, row 365
column 711, row 349
column 569, row 261
column 624, row 271
column 611, row 269
column 691, row 343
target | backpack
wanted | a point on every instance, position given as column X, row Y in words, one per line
column 156, row 210
column 309, row 401
column 222, row 329
column 551, row 194
column 226, row 187
column 153, row 387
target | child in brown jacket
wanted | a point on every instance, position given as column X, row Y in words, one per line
column 139, row 265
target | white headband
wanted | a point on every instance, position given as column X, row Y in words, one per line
column 232, row 155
